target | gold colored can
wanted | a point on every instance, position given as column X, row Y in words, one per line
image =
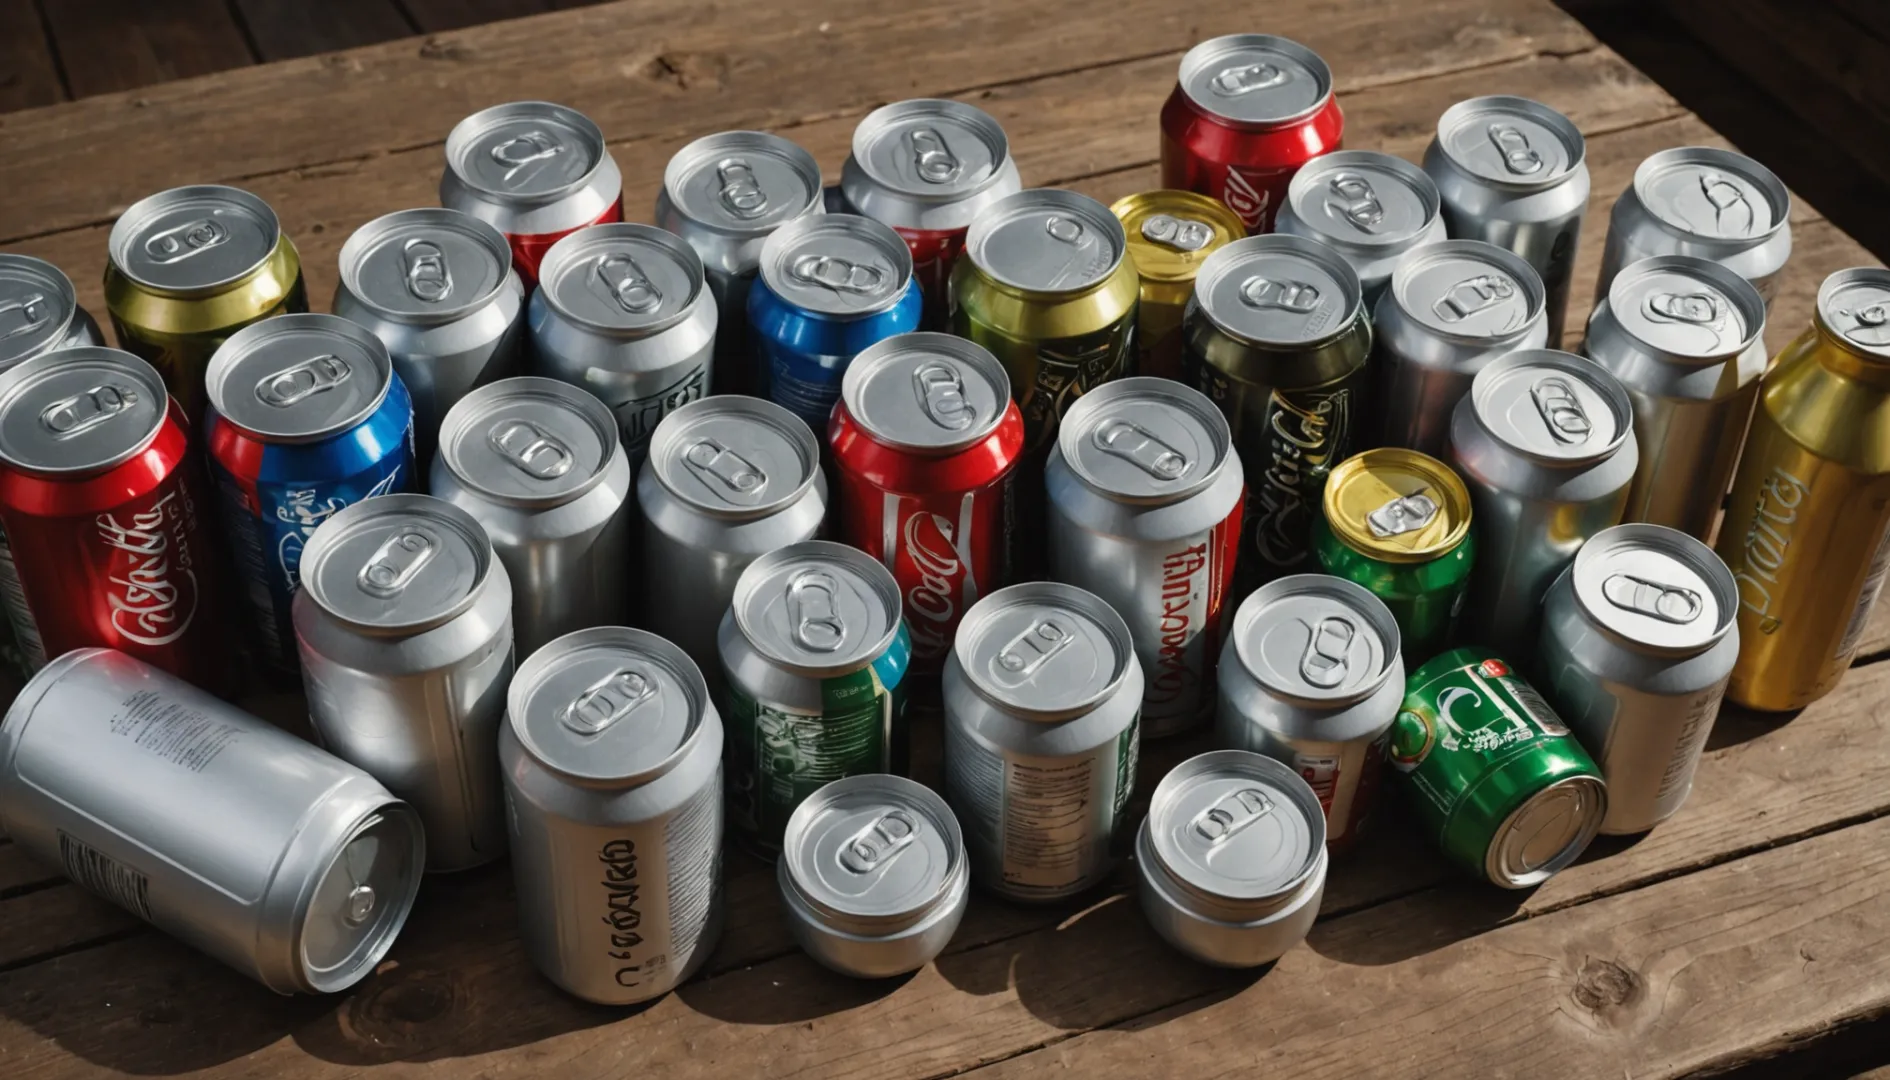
column 1807, row 535
column 1170, row 234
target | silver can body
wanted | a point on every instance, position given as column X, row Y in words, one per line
column 39, row 311
column 1369, row 206
column 1706, row 202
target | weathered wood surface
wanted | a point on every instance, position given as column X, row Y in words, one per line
column 285, row 29
column 115, row 45
column 29, row 77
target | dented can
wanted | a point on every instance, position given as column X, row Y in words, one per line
column 39, row 311
column 1706, row 202
column 1171, row 233
column 1373, row 208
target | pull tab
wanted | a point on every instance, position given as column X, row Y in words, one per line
column 83, row 412
column 1298, row 297
column 1699, row 309
column 1026, row 654
column 934, row 160
column 607, row 701
column 813, row 599
column 1405, row 514
column 1247, row 78
column 1139, row 446
column 1518, row 156
column 360, row 906
column 1065, row 230
column 1355, row 200
column 182, row 241
column 628, row 284
column 427, row 276
column 1668, row 603
column 1472, row 295
column 740, row 191
column 1328, row 652
column 24, row 316
column 1180, row 234
column 880, row 842
column 1722, row 195
column 530, row 449
column 941, row 390
column 1555, row 399
column 299, row 382
column 398, row 560
column 526, row 148
column 839, row 275
column 729, row 475
column 1230, row 814
column 1872, row 325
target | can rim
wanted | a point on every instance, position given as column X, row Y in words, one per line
column 1203, row 52
column 217, row 372
column 354, row 252
column 870, row 570
column 831, row 917
column 369, row 952
column 1069, row 597
column 1310, row 174
column 1503, row 844
column 1738, row 291
column 1129, row 206
column 1856, row 275
column 684, row 162
column 49, row 276
column 1228, row 256
column 1525, row 276
column 1074, row 426
column 881, row 236
column 585, row 404
column 1604, row 382
column 469, row 129
column 883, row 199
column 1073, row 202
column 123, row 231
column 1678, row 546
column 884, row 351
column 570, row 249
column 1361, row 600
column 332, row 531
column 1573, row 141
column 14, row 380
column 670, row 428
column 1456, row 499
column 1235, row 905
column 1748, row 169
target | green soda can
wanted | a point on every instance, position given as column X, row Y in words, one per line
column 814, row 653
column 1398, row 523
column 1494, row 774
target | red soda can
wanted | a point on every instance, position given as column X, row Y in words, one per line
column 925, row 441
column 1246, row 113
column 100, row 509
column 535, row 171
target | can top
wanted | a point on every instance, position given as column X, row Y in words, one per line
column 1855, row 306
column 525, row 152
column 1146, row 440
column 925, row 392
column 37, row 306
column 1655, row 587
column 1714, row 194
column 528, row 442
column 733, row 456
column 1255, row 80
column 425, row 266
column 193, row 239
column 742, row 183
column 299, row 378
column 1278, row 290
column 1397, row 505
column 622, row 279
column 1552, row 406
column 1044, row 650
column 872, row 849
column 608, row 705
column 1470, row 291
column 1171, row 233
column 80, row 410
column 1363, row 199
column 1316, row 638
column 1511, row 141
column 817, row 608
column 1237, row 825
column 397, row 562
column 1687, row 307
column 931, row 148
column 839, row 265
column 362, row 899
column 1047, row 240
column 1547, row 832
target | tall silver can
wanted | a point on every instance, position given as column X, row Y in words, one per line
column 1043, row 692
column 538, row 464
column 404, row 627
column 1371, row 207
column 1638, row 640
column 1706, row 202
column 612, row 757
column 1545, row 443
column 39, row 310
column 282, row 861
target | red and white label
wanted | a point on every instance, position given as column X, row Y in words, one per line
column 931, row 556
column 150, row 582
column 1249, row 194
column 1195, row 578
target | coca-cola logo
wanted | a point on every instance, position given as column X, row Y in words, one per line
column 1306, row 434
column 933, row 601
column 1248, row 202
column 151, row 588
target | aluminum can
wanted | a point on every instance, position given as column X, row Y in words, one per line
column 534, row 171
column 188, row 268
column 102, row 539
column 1511, row 173
column 724, row 194
column 830, row 286
column 928, row 168
column 1686, row 338
column 1216, row 888
column 437, row 287
column 1397, row 522
column 873, row 875
column 1247, row 111
column 282, row 861
column 1277, row 338
column 1145, row 494
column 1371, row 207
column 1545, row 443
column 1043, row 698
column 612, row 757
column 306, row 416
column 1638, row 640
column 1451, row 309
column 39, row 311
column 925, row 445
column 729, row 479
column 1706, row 202
column 538, row 464
column 813, row 656
column 1807, row 532
column 1492, row 773
column 1170, row 234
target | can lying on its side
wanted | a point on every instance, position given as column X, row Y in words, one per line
column 39, row 311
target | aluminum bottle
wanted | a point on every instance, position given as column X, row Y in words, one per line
column 1706, row 202
column 39, row 311
column 1371, row 207
column 1170, row 233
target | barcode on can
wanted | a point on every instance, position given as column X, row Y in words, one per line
column 105, row 876
column 13, row 597
column 1866, row 599
column 1537, row 708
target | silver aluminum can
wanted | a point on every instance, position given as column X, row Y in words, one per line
column 624, row 312
column 725, row 194
column 1371, row 207
column 1545, row 442
column 538, row 464
column 1451, row 309
column 729, row 479
column 1232, row 859
column 1145, row 511
column 1511, row 172
column 1706, row 202
column 39, row 311
column 612, row 756
column 404, row 627
column 873, row 875
column 1312, row 676
column 1043, row 693
column 284, row 862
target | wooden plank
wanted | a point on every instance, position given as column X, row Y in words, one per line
column 1871, row 16
column 434, row 16
column 285, row 29
column 116, row 45
column 28, row 75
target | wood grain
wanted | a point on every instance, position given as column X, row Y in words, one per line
column 285, row 29
column 28, row 75
column 117, row 45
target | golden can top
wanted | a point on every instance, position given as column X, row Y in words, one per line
column 1397, row 505
column 1172, row 232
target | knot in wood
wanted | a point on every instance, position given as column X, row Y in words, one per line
column 1605, row 984
column 439, row 48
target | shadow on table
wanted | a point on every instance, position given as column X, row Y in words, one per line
column 1736, row 725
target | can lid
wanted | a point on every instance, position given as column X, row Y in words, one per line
column 1316, row 638
column 734, row 456
column 1237, row 825
column 1855, row 305
column 1255, row 79
column 1547, row 832
column 1145, row 440
column 80, row 410
column 622, row 278
column 873, row 847
column 743, row 183
column 1047, row 240
column 1656, row 587
column 527, row 152
column 1044, row 649
column 839, row 265
column 192, row 239
column 1511, row 141
column 1363, row 198
column 1553, row 406
column 1715, row 194
column 1278, row 290
column 608, row 704
column 931, row 148
column 528, row 441
column 817, row 608
column 425, row 265
column 1687, row 307
column 299, row 378
column 1397, row 505
column 37, row 306
column 362, row 899
column 1469, row 290
column 397, row 562
column 1171, row 233
column 925, row 392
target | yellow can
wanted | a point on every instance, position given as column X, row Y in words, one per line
column 1170, row 233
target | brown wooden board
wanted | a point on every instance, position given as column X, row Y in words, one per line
column 117, row 45
column 433, row 16
column 28, row 74
column 284, row 29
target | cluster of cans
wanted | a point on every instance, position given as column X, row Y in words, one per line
column 1279, row 451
